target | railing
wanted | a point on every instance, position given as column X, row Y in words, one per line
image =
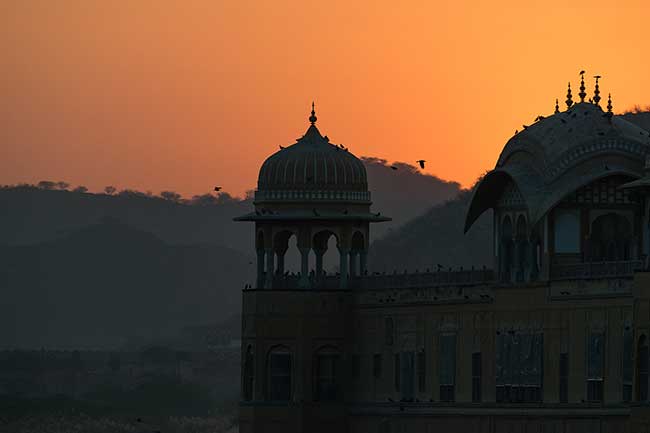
column 595, row 270
column 388, row 281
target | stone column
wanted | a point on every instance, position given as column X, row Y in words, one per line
column 344, row 252
column 353, row 263
column 270, row 268
column 304, row 268
column 260, row 269
column 363, row 262
column 319, row 262
column 280, row 255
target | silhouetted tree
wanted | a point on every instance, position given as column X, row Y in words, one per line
column 204, row 200
column 63, row 186
column 132, row 193
column 47, row 185
column 110, row 190
column 82, row 189
column 171, row 196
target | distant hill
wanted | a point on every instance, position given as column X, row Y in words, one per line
column 30, row 215
column 436, row 238
column 98, row 286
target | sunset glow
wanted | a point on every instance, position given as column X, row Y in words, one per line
column 162, row 95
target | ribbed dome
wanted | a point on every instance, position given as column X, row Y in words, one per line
column 313, row 169
column 556, row 143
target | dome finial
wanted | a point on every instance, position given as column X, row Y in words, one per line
column 569, row 101
column 557, row 106
column 597, row 91
column 609, row 103
column 582, row 93
column 313, row 118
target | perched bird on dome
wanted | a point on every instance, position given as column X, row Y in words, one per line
column 217, row 188
column 421, row 162
column 281, row 147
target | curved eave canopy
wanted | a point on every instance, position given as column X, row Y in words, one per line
column 489, row 190
column 311, row 216
column 540, row 197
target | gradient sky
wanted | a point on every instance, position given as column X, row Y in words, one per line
column 185, row 95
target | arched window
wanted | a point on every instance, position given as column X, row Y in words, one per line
column 642, row 369
column 611, row 237
column 248, row 375
column 279, row 374
column 326, row 370
column 567, row 231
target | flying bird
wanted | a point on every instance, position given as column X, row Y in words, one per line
column 217, row 188
column 421, row 162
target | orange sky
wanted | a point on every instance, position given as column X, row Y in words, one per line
column 183, row 95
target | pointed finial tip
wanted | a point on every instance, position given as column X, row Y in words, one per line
column 313, row 118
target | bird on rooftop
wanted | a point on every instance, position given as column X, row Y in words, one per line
column 421, row 162
column 281, row 147
column 217, row 188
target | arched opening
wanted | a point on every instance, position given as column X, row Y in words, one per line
column 326, row 263
column 279, row 374
column 506, row 247
column 357, row 255
column 642, row 369
column 521, row 248
column 611, row 238
column 326, row 383
column 259, row 248
column 248, row 374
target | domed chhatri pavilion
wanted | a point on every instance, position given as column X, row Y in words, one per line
column 553, row 339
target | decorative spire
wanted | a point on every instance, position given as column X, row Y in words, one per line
column 609, row 103
column 597, row 91
column 313, row 118
column 569, row 101
column 582, row 93
column 557, row 107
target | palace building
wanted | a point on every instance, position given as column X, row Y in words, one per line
column 554, row 338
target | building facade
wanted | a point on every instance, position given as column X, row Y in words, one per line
column 553, row 339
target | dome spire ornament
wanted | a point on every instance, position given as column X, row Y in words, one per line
column 313, row 118
column 582, row 93
column 557, row 106
column 569, row 100
column 597, row 91
column 609, row 103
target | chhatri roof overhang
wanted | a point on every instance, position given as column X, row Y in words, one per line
column 560, row 153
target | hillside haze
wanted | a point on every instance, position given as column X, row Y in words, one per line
column 100, row 270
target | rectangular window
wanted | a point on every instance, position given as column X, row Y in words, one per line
column 447, row 363
column 627, row 369
column 397, row 372
column 422, row 372
column 643, row 369
column 476, row 377
column 376, row 365
column 519, row 364
column 326, row 386
column 407, row 376
column 280, row 376
column 595, row 366
column 564, row 377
